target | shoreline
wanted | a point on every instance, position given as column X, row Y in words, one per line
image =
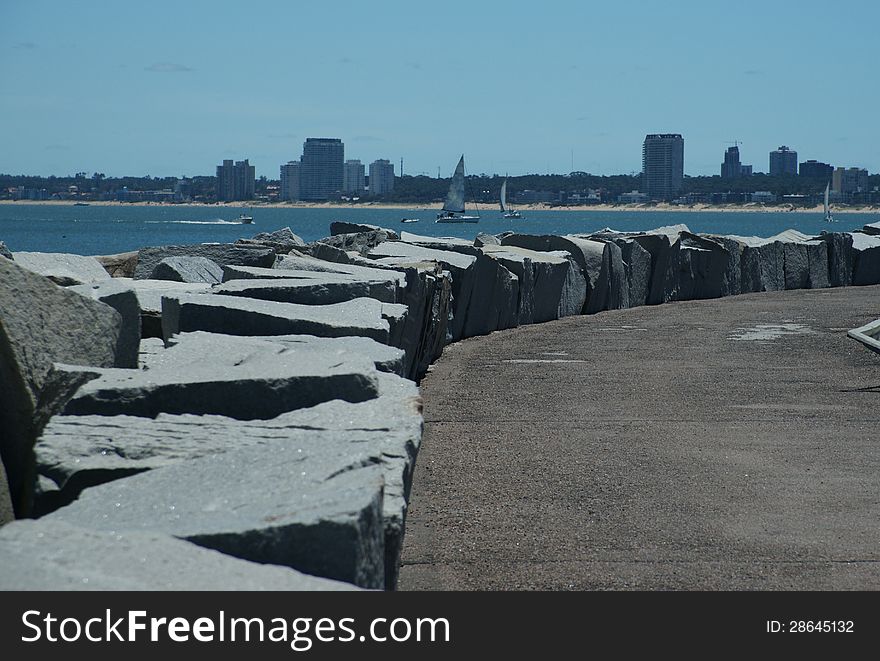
column 435, row 206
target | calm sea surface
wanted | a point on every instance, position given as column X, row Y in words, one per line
column 102, row 230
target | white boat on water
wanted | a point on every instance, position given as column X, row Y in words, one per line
column 409, row 220
column 453, row 207
column 506, row 210
column 828, row 217
column 245, row 220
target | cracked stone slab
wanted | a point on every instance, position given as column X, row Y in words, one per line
column 326, row 290
column 188, row 268
column 121, row 297
column 52, row 555
column 316, row 511
column 78, row 452
column 62, row 268
column 222, row 253
column 245, row 378
column 236, row 315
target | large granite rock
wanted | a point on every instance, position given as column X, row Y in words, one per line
column 695, row 268
column 549, row 287
column 243, row 378
column 319, row 289
column 121, row 297
column 149, row 296
column 461, row 267
column 840, row 257
column 120, row 265
column 224, row 254
column 4, row 251
column 872, row 229
column 364, row 269
column 7, row 513
column 313, row 509
column 62, row 268
column 731, row 279
column 41, row 323
column 52, row 555
column 235, row 315
column 281, row 241
column 483, row 239
column 359, row 242
column 600, row 265
column 342, row 227
column 866, row 259
column 186, row 268
column 78, row 452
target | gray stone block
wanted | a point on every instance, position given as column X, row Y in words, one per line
column 840, row 257
column 460, row 266
column 62, row 268
column 243, row 378
column 695, row 269
column 7, row 513
column 281, row 503
column 120, row 296
column 359, row 242
column 4, row 251
column 342, row 227
column 360, row 270
column 235, row 315
column 484, row 239
column 121, row 265
column 320, row 289
column 41, row 323
column 866, row 259
column 189, row 269
column 281, row 241
column 224, row 254
column 545, row 285
column 83, row 451
column 52, row 555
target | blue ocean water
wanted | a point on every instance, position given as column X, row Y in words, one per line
column 103, row 230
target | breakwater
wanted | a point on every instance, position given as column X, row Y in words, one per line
column 258, row 399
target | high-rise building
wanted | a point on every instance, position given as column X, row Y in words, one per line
column 321, row 169
column 381, row 177
column 816, row 170
column 662, row 165
column 731, row 168
column 847, row 181
column 235, row 181
column 290, row 181
column 353, row 177
column 783, row 161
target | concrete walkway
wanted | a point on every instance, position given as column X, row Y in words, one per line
column 724, row 444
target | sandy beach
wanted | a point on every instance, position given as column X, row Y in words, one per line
column 659, row 206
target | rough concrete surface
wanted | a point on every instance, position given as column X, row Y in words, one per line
column 722, row 445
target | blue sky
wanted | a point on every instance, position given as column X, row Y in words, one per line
column 173, row 88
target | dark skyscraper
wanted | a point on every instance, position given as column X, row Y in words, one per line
column 783, row 161
column 235, row 181
column 731, row 168
column 662, row 165
column 321, row 168
column 816, row 170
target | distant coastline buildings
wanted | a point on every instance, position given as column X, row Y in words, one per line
column 783, row 161
column 235, row 181
column 848, row 181
column 662, row 165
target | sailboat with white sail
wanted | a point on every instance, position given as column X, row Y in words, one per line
column 828, row 217
column 506, row 210
column 453, row 207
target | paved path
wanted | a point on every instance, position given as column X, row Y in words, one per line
column 725, row 444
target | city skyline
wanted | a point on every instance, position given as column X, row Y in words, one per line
column 118, row 90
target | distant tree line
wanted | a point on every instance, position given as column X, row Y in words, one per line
column 421, row 189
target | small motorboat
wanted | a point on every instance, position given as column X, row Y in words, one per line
column 245, row 220
column 409, row 220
